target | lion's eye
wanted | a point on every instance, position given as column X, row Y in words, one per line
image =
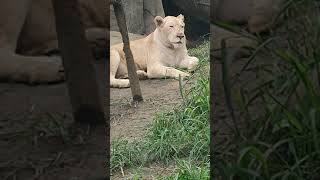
column 182, row 26
column 171, row 26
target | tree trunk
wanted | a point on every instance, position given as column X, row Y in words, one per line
column 133, row 77
column 85, row 97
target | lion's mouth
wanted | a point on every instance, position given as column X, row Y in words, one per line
column 179, row 42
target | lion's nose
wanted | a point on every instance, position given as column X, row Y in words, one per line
column 180, row 36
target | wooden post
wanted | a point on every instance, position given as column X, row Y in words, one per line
column 86, row 100
column 133, row 77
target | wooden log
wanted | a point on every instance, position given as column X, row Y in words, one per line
column 86, row 100
column 133, row 77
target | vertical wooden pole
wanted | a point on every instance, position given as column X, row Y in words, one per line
column 133, row 77
column 86, row 100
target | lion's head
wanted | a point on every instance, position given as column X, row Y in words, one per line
column 171, row 30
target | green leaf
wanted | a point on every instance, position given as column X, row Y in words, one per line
column 253, row 152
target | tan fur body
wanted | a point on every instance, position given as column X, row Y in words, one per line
column 156, row 55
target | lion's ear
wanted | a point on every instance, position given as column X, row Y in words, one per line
column 181, row 17
column 158, row 20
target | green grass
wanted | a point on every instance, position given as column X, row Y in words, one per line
column 282, row 141
column 188, row 171
column 182, row 133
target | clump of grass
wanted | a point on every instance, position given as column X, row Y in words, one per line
column 183, row 132
column 281, row 142
column 189, row 171
column 180, row 133
column 125, row 153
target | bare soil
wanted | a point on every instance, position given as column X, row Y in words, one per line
column 38, row 139
column 146, row 173
column 131, row 122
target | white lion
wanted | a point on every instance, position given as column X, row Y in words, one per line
column 155, row 55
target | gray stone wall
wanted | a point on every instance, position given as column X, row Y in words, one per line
column 139, row 15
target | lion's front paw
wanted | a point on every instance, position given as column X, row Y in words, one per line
column 142, row 75
column 193, row 63
column 46, row 70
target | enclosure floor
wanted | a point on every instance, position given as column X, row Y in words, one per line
column 24, row 107
column 130, row 122
column 26, row 112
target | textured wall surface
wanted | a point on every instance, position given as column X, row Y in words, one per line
column 139, row 15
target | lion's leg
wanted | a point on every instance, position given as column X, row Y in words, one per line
column 13, row 16
column 190, row 63
column 41, row 69
column 19, row 68
column 114, row 67
column 160, row 71
column 142, row 74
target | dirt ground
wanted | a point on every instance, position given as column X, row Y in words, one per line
column 38, row 139
column 36, row 126
column 148, row 173
column 130, row 122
